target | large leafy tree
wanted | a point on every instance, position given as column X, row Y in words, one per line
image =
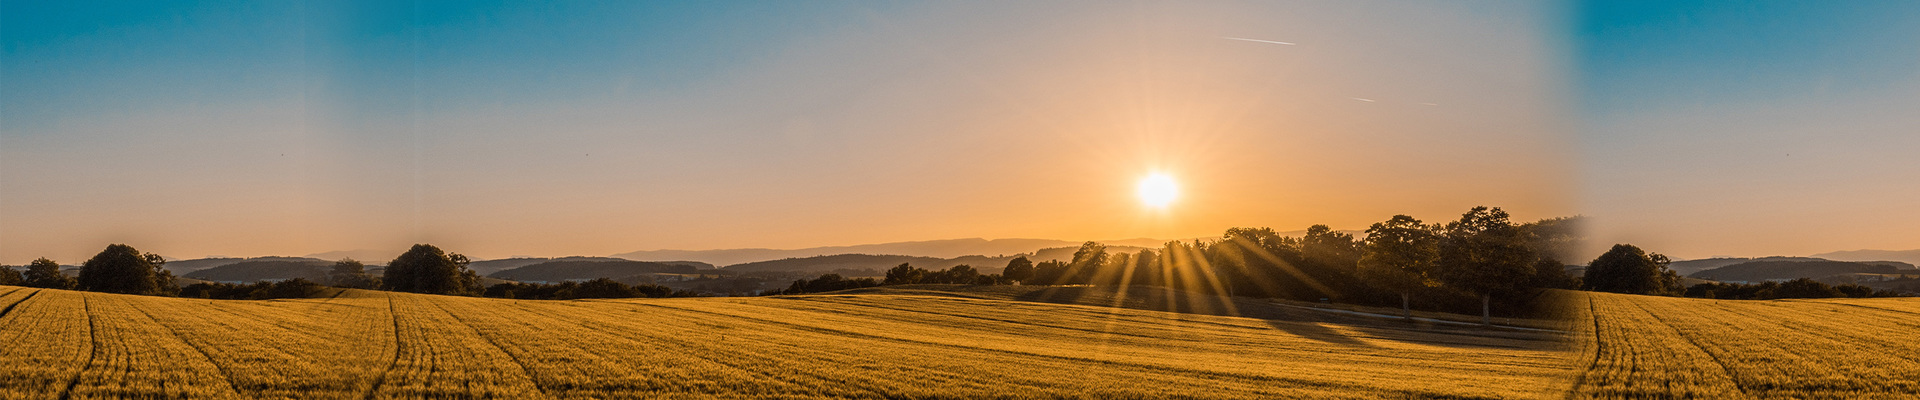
column 427, row 269
column 1399, row 255
column 122, row 269
column 10, row 276
column 350, row 273
column 1486, row 254
column 1627, row 269
column 44, row 273
column 1020, row 269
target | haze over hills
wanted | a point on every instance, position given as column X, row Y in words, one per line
column 265, row 268
column 489, row 267
column 949, row 248
column 558, row 271
column 1907, row 256
column 879, row 263
column 1688, row 267
column 184, row 267
column 1760, row 271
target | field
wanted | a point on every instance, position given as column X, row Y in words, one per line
column 1661, row 347
column 1001, row 343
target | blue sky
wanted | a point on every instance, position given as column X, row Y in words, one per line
column 255, row 128
column 1750, row 128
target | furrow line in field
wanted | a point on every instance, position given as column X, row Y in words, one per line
column 1696, row 344
column 9, row 309
column 496, row 345
column 1593, row 357
column 231, row 383
column 735, row 366
column 93, row 349
column 380, row 379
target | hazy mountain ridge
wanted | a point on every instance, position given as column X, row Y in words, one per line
column 559, row 271
column 275, row 268
column 489, row 267
column 1906, row 256
column 183, row 267
column 1759, row 271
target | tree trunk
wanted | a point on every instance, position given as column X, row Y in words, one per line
column 1486, row 309
column 1405, row 311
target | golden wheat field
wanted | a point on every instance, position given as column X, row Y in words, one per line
column 1646, row 347
column 996, row 342
column 367, row 344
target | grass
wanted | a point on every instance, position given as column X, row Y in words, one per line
column 901, row 343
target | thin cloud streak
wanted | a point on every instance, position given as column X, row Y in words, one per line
column 1256, row 40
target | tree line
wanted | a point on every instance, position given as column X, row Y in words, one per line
column 422, row 269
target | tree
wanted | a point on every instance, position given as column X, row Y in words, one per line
column 427, row 269
column 122, row 269
column 1018, row 270
column 1628, row 269
column 11, row 277
column 962, row 274
column 44, row 273
column 1484, row 253
column 349, row 273
column 1399, row 255
column 905, row 274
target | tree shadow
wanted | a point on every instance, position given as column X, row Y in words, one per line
column 1302, row 322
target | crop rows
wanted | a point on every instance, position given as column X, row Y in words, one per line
column 1660, row 347
column 383, row 345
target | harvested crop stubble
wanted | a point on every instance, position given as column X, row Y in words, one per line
column 365, row 344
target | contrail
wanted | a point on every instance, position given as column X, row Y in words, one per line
column 1256, row 40
column 1360, row 99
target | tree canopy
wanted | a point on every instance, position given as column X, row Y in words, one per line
column 427, row 269
column 1628, row 269
column 122, row 269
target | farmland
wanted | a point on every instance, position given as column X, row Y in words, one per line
column 1662, row 347
column 880, row 344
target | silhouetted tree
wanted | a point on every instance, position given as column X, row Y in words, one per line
column 1550, row 273
column 905, row 274
column 1399, row 255
column 962, row 274
column 1628, row 269
column 349, row 273
column 427, row 269
column 1018, row 270
column 44, row 273
column 122, row 269
column 603, row 288
column 1485, row 254
column 11, row 277
column 1086, row 262
column 1049, row 272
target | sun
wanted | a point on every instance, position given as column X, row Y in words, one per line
column 1157, row 190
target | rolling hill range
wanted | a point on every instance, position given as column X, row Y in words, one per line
column 1688, row 267
column 559, row 271
column 491, row 266
column 367, row 344
column 932, row 248
column 880, row 263
column 1906, row 256
column 255, row 270
column 183, row 267
column 1760, row 271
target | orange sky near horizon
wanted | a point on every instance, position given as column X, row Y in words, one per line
column 935, row 121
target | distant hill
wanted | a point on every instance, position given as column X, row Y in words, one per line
column 1757, row 271
column 368, row 257
column 183, row 267
column 1689, row 267
column 1906, row 256
column 258, row 270
column 558, row 271
column 491, row 266
column 881, row 262
column 932, row 248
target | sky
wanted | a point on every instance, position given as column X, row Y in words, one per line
column 193, row 129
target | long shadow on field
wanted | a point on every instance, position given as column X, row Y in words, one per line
column 1296, row 322
column 1308, row 323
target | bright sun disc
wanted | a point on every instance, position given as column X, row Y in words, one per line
column 1157, row 190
